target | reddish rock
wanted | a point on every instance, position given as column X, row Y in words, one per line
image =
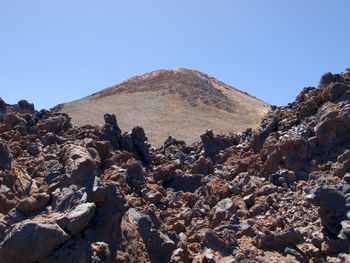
column 30, row 204
column 166, row 172
column 203, row 166
column 54, row 123
column 279, row 240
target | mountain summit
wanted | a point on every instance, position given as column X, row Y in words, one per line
column 181, row 103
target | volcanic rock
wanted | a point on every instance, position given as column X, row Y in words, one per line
column 220, row 239
column 159, row 245
column 135, row 175
column 282, row 176
column 76, row 220
column 33, row 203
column 80, row 165
column 5, row 157
column 74, row 250
column 202, row 166
column 26, row 105
column 65, row 198
column 332, row 208
column 279, row 193
column 31, row 241
column 278, row 241
column 186, row 183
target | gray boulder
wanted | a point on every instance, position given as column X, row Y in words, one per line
column 65, row 198
column 77, row 219
column 221, row 239
column 332, row 207
column 30, row 241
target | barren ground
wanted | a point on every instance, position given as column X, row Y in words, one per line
column 180, row 103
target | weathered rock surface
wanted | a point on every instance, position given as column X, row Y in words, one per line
column 332, row 209
column 279, row 241
column 80, row 166
column 29, row 241
column 35, row 202
column 144, row 230
column 76, row 220
column 135, row 175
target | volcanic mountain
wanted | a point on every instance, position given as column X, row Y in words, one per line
column 181, row 103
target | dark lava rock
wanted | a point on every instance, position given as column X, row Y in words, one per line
column 33, row 149
column 80, row 166
column 26, row 105
column 282, row 176
column 213, row 144
column 332, row 207
column 5, row 156
column 186, row 183
column 140, row 143
column 112, row 120
column 74, row 251
column 31, row 241
column 135, row 175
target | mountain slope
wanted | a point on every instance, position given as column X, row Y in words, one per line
column 181, row 103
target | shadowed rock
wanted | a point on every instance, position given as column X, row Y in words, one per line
column 5, row 157
column 31, row 241
column 332, row 208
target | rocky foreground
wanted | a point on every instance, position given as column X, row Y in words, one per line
column 280, row 193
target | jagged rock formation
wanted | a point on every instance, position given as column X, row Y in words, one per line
column 181, row 103
column 94, row 194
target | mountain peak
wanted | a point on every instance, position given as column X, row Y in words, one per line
column 180, row 102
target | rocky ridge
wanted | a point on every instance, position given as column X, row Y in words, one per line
column 280, row 193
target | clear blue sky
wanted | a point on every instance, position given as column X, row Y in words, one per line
column 57, row 51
